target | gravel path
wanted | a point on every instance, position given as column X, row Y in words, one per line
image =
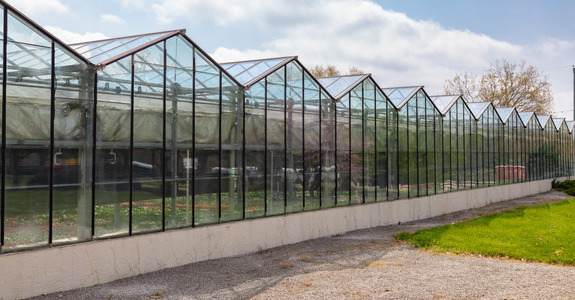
column 364, row 264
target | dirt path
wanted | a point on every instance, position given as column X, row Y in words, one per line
column 364, row 264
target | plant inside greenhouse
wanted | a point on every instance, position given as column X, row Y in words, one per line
column 148, row 133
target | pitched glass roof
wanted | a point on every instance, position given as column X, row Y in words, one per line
column 399, row 96
column 444, row 102
column 558, row 122
column 526, row 116
column 340, row 85
column 249, row 72
column 105, row 50
column 504, row 112
column 543, row 120
column 570, row 125
column 477, row 108
column 30, row 45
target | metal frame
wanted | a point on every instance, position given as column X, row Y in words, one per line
column 514, row 138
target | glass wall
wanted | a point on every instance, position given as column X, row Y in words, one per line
column 47, row 140
column 159, row 136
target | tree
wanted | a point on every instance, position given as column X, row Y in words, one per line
column 465, row 84
column 506, row 84
column 319, row 71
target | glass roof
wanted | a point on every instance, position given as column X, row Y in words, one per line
column 248, row 72
column 543, row 120
column 398, row 96
column 103, row 50
column 477, row 108
column 504, row 112
column 444, row 102
column 558, row 122
column 340, row 85
column 570, row 125
column 526, row 116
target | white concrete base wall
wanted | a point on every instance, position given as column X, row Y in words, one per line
column 68, row 267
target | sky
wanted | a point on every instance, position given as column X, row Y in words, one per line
column 400, row 42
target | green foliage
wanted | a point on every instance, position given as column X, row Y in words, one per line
column 543, row 233
column 567, row 186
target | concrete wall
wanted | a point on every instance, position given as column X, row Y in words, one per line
column 62, row 268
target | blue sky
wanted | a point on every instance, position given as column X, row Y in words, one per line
column 400, row 42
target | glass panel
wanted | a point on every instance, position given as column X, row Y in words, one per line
column 381, row 146
column 341, row 84
column 329, row 172
column 402, row 154
column 398, row 95
column 147, row 158
column 294, row 138
column 356, row 143
column 423, row 160
column 28, row 105
column 412, row 148
column 255, row 155
column 231, row 127
column 72, row 161
column 206, row 134
column 369, row 141
column 275, row 135
column 312, row 154
column 100, row 51
column 256, row 70
column 113, row 160
column 343, row 150
column 179, row 120
column 393, row 148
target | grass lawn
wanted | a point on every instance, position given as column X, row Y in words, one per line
column 543, row 233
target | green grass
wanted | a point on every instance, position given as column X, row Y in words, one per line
column 541, row 233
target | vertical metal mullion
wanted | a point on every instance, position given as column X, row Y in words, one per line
column 335, row 154
column 484, row 150
column 285, row 150
column 266, row 146
column 164, row 144
column 426, row 162
column 375, row 153
column 243, row 154
column 52, row 118
column 442, row 143
column 349, row 144
column 397, row 150
column 417, row 171
column 94, row 140
column 132, row 102
column 220, row 148
column 193, row 159
column 320, row 150
column 457, row 143
column 464, row 149
column 363, row 120
column 4, row 75
column 435, row 151
column 387, row 149
column 303, row 153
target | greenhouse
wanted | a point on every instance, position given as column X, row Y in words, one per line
column 148, row 133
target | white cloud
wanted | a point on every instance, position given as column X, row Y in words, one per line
column 112, row 19
column 397, row 50
column 36, row 7
column 73, row 37
column 394, row 48
column 138, row 4
column 226, row 12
